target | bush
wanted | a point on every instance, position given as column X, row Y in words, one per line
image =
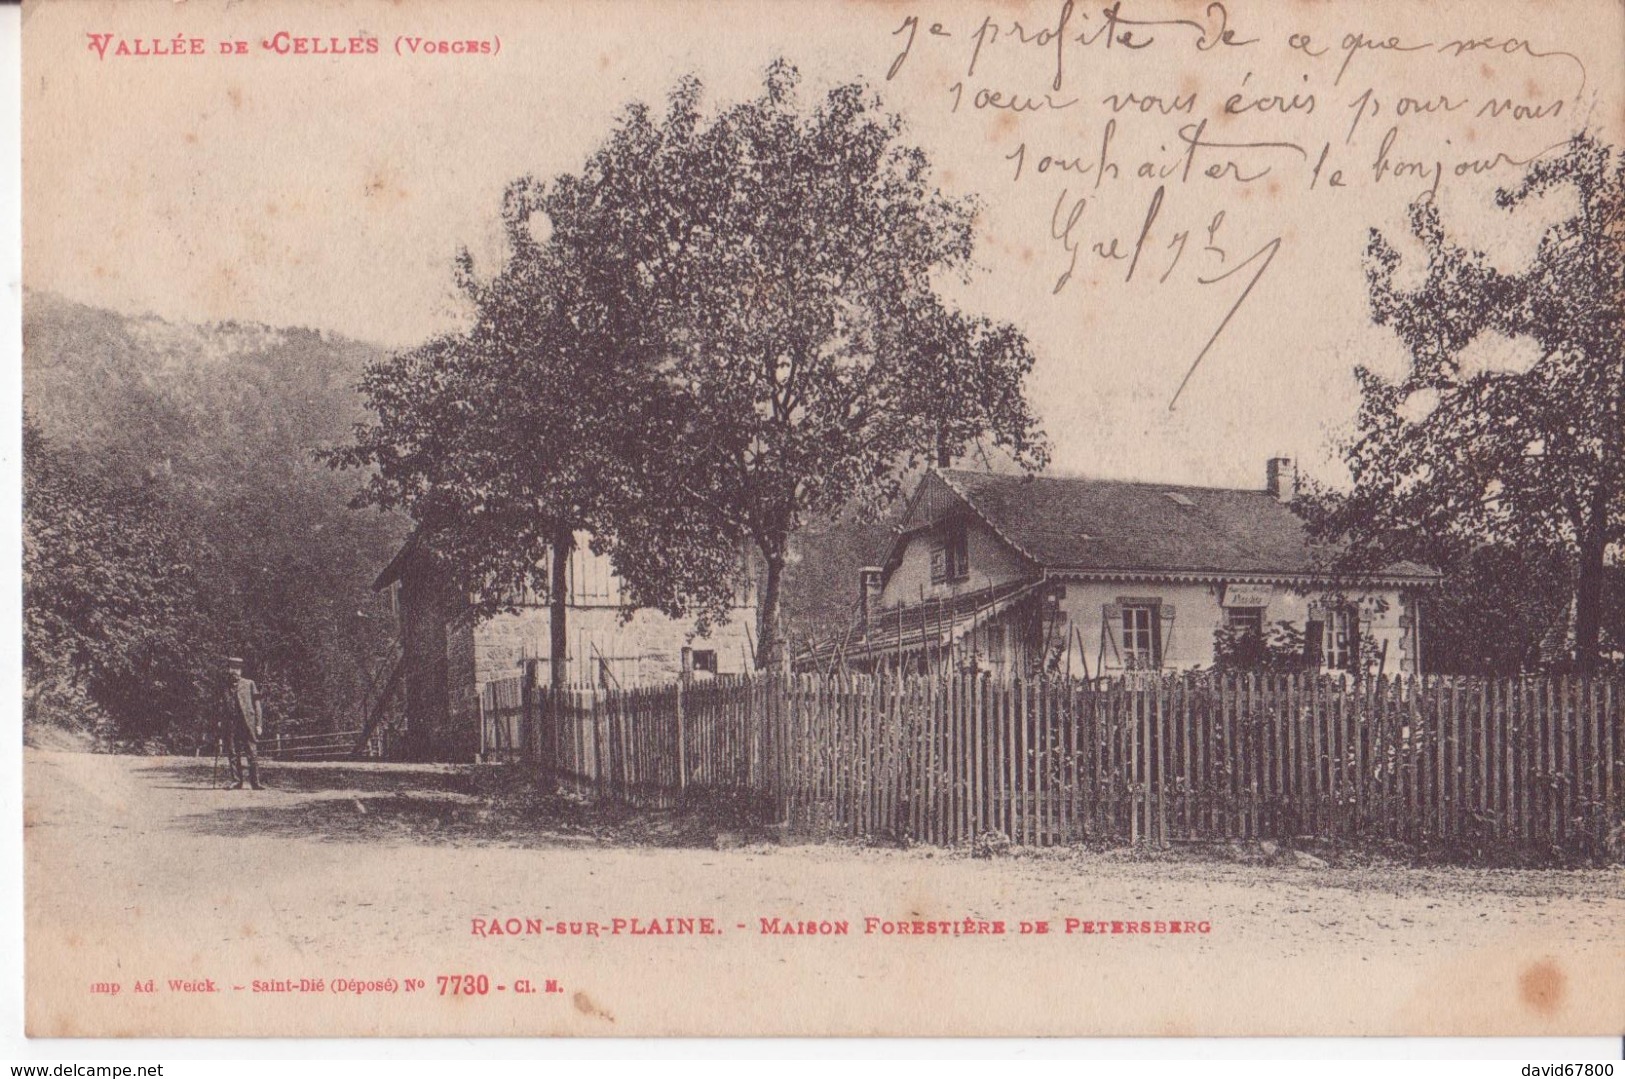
column 1279, row 648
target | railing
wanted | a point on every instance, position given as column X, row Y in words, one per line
column 323, row 746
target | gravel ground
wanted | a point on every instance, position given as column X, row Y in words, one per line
column 137, row 868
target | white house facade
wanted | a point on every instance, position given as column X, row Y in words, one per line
column 1019, row 575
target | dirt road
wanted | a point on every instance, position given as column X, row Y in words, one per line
column 137, row 869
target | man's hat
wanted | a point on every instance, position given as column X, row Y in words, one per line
column 234, row 661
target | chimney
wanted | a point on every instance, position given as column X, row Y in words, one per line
column 868, row 593
column 1281, row 479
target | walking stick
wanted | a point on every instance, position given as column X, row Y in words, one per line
column 214, row 774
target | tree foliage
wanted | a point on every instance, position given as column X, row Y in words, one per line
column 1502, row 609
column 538, row 421
column 784, row 263
column 1279, row 648
column 174, row 514
column 1455, row 454
column 719, row 327
column 110, row 591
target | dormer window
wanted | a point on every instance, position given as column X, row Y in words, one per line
column 950, row 554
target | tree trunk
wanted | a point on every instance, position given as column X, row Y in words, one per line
column 558, row 599
column 769, row 648
column 1588, row 605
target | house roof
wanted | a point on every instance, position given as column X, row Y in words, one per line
column 397, row 565
column 1071, row 523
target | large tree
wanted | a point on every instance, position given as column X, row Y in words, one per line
column 505, row 439
column 1530, row 455
column 712, row 331
column 784, row 263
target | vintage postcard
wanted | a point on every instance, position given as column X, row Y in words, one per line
column 932, row 518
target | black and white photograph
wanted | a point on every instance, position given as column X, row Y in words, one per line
column 823, row 519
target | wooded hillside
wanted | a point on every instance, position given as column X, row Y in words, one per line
column 189, row 447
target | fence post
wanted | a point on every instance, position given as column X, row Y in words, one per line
column 597, row 746
column 1611, row 725
column 527, row 703
column 682, row 744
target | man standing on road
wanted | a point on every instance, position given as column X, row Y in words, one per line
column 241, row 721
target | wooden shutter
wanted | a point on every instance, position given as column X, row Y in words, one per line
column 1161, row 640
column 958, row 545
column 1111, row 620
column 1359, row 625
column 1314, row 637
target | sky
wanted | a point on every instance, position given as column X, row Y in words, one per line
column 334, row 191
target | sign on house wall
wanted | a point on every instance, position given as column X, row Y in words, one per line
column 1247, row 595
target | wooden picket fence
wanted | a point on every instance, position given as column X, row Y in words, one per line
column 1433, row 762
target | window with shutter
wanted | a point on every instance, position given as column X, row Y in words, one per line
column 950, row 554
column 1341, row 650
column 1141, row 637
column 1245, row 621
